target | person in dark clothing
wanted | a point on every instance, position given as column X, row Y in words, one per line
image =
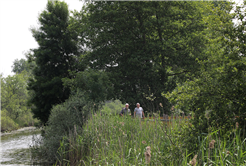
column 125, row 110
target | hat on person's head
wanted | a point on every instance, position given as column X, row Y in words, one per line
column 127, row 104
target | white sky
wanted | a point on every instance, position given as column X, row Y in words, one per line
column 16, row 18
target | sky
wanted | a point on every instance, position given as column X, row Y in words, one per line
column 16, row 19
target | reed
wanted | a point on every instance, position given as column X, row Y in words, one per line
column 113, row 140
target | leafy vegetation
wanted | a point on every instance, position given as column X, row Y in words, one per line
column 217, row 96
column 144, row 47
column 112, row 108
column 7, row 123
column 187, row 54
column 108, row 140
column 55, row 55
column 63, row 118
column 15, row 112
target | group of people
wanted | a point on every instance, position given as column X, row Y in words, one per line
column 138, row 111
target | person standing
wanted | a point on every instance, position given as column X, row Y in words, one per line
column 125, row 110
column 138, row 111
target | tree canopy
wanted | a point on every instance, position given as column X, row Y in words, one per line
column 55, row 55
column 217, row 97
column 145, row 47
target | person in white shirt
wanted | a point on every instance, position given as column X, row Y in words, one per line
column 138, row 111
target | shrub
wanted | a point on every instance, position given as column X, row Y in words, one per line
column 63, row 119
column 6, row 122
column 112, row 107
column 26, row 119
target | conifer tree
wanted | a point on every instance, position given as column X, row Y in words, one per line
column 54, row 57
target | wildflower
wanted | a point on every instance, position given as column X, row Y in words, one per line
column 120, row 130
column 161, row 105
column 193, row 161
column 107, row 143
column 98, row 139
column 147, row 155
column 143, row 142
column 211, row 144
column 237, row 125
column 227, row 152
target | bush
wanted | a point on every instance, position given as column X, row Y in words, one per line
column 7, row 123
column 26, row 119
column 112, row 107
column 63, row 119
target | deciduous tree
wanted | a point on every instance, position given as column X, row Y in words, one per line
column 218, row 96
column 145, row 47
column 2, row 92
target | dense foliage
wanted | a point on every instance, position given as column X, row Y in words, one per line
column 55, row 55
column 15, row 112
column 64, row 118
column 144, row 47
column 114, row 140
column 95, row 84
column 217, row 96
column 186, row 54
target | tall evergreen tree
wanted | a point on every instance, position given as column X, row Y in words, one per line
column 55, row 55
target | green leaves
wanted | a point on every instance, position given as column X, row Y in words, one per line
column 3, row 92
column 144, row 46
column 96, row 85
column 218, row 90
column 57, row 53
column 14, row 95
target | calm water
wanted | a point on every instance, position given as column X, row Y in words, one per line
column 15, row 148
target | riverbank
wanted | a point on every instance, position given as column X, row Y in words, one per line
column 24, row 129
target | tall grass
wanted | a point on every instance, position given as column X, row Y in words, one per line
column 113, row 140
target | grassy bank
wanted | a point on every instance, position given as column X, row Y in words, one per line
column 113, row 140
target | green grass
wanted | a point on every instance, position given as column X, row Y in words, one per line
column 114, row 140
column 109, row 139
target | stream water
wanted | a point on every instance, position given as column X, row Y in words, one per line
column 14, row 149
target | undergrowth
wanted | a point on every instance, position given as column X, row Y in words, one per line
column 113, row 140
